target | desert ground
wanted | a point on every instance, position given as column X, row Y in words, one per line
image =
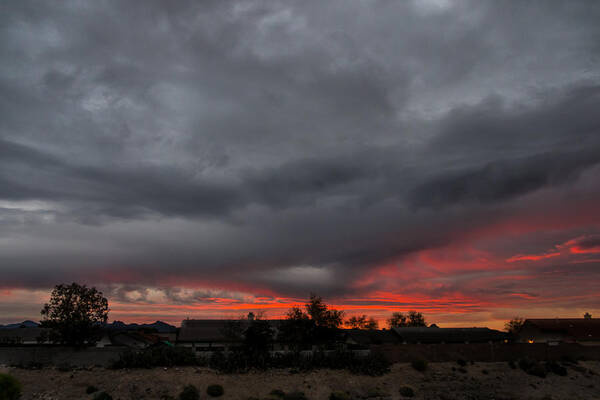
column 443, row 381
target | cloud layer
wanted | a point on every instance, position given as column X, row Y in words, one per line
column 435, row 155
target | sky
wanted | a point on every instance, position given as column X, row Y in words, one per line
column 205, row 159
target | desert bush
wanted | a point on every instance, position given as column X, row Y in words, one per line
column 526, row 363
column 372, row 365
column 34, row 365
column 190, row 392
column 532, row 367
column 91, row 389
column 461, row 362
column 339, row 395
column 419, row 365
column 407, row 391
column 102, row 396
column 239, row 362
column 375, row 392
column 537, row 370
column 277, row 392
column 579, row 369
column 215, row 390
column 64, row 367
column 556, row 368
column 568, row 359
column 10, row 388
column 162, row 356
column 294, row 396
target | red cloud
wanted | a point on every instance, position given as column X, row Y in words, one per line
column 532, row 257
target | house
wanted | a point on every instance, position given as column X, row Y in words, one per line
column 135, row 340
column 216, row 334
column 434, row 334
column 585, row 331
column 364, row 338
column 208, row 334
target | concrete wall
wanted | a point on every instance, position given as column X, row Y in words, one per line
column 485, row 351
column 58, row 355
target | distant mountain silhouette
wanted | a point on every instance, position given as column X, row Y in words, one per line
column 161, row 327
column 24, row 324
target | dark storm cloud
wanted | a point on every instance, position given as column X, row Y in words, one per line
column 505, row 179
column 279, row 145
column 166, row 190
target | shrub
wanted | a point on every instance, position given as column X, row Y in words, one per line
column 568, row 359
column 537, row 370
column 407, row 391
column 484, row 371
column 277, row 392
column 420, row 365
column 215, row 390
column 190, row 392
column 34, row 365
column 294, row 396
column 532, row 367
column 64, row 367
column 162, row 356
column 512, row 364
column 461, row 362
column 462, row 370
column 10, row 388
column 526, row 363
column 339, row 395
column 373, row 364
column 91, row 389
column 375, row 392
column 102, row 396
column 556, row 368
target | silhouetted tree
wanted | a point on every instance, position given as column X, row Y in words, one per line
column 258, row 337
column 297, row 329
column 74, row 315
column 587, row 315
column 514, row 325
column 362, row 322
column 412, row 319
column 252, row 330
column 233, row 329
column 317, row 325
column 321, row 315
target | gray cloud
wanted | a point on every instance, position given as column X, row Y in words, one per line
column 232, row 141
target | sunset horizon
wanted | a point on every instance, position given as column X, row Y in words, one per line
column 210, row 159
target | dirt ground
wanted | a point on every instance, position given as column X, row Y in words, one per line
column 442, row 381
